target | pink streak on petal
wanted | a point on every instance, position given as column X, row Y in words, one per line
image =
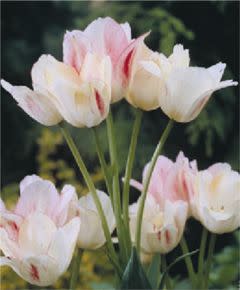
column 167, row 236
column 126, row 65
column 99, row 102
column 34, row 272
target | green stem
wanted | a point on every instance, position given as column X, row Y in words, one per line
column 164, row 268
column 201, row 257
column 128, row 173
column 211, row 248
column 188, row 261
column 93, row 191
column 103, row 164
column 116, row 189
column 75, row 269
column 147, row 181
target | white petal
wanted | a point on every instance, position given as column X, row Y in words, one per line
column 217, row 71
column 36, row 234
column 87, row 202
column 63, row 244
column 184, row 88
column 67, row 206
column 180, row 57
column 36, row 105
column 127, row 29
column 91, row 234
column 27, row 180
column 151, row 67
column 8, row 247
column 39, row 196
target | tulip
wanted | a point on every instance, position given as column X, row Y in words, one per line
column 166, row 208
column 169, row 180
column 163, row 224
column 105, row 36
column 186, row 89
column 60, row 92
column 216, row 203
column 143, row 87
column 39, row 235
column 91, row 235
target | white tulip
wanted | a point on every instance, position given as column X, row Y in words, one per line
column 216, row 203
column 91, row 234
column 60, row 92
column 186, row 89
column 38, row 237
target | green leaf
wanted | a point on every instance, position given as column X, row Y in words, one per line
column 154, row 271
column 161, row 284
column 134, row 276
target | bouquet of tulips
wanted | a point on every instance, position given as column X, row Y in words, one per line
column 102, row 65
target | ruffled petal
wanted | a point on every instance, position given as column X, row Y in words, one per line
column 40, row 196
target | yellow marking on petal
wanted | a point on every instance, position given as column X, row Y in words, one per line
column 215, row 183
column 158, row 221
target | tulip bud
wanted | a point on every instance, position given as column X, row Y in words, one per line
column 91, row 234
column 38, row 237
column 216, row 203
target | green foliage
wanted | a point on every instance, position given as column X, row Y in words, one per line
column 226, row 265
column 134, row 276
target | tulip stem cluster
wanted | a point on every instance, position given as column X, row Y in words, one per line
column 147, row 181
column 92, row 189
column 103, row 164
column 128, row 173
column 116, row 189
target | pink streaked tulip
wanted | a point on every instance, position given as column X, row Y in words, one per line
column 60, row 92
column 39, row 235
column 170, row 180
column 104, row 36
column 166, row 208
column 186, row 89
column 162, row 226
column 217, row 202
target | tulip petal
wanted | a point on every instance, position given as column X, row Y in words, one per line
column 93, row 237
column 63, row 244
column 127, row 29
column 8, row 246
column 67, row 205
column 27, row 180
column 75, row 46
column 35, row 234
column 38, row 106
column 39, row 196
column 39, row 270
column 180, row 57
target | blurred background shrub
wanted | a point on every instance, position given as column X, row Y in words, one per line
column 211, row 32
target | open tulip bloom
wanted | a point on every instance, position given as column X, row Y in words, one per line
column 102, row 65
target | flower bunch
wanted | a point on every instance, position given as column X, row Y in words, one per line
column 102, row 65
